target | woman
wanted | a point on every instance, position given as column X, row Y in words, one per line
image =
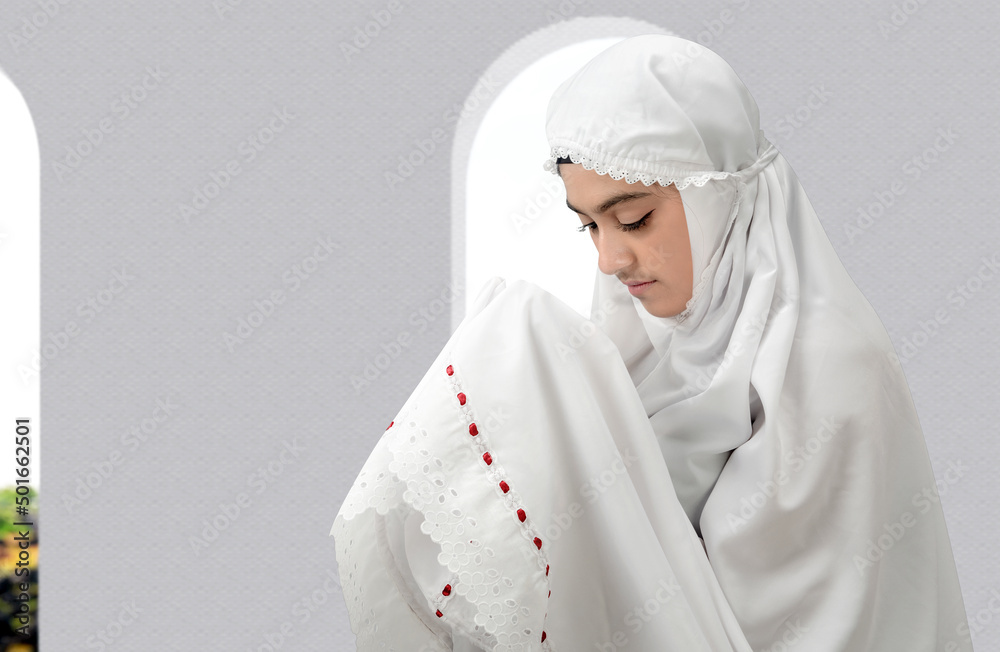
column 724, row 457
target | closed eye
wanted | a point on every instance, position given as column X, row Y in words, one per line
column 638, row 224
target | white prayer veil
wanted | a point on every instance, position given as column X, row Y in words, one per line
column 776, row 397
column 660, row 109
column 545, row 485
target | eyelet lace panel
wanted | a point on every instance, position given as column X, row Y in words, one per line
column 378, row 602
column 422, row 464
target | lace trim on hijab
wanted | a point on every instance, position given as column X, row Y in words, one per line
column 622, row 168
column 614, row 168
column 619, row 168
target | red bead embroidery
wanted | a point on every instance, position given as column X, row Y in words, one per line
column 521, row 515
column 438, row 612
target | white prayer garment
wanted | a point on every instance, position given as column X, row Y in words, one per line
column 746, row 475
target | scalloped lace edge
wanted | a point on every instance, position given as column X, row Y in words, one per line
column 429, row 495
column 618, row 171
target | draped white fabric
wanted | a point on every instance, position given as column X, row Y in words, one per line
column 548, row 483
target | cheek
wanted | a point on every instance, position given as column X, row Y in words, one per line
column 666, row 256
column 674, row 249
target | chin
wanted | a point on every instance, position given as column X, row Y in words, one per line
column 667, row 313
column 659, row 310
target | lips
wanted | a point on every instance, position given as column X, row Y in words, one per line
column 632, row 283
column 638, row 289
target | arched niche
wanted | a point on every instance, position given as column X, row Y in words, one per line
column 509, row 215
column 19, row 274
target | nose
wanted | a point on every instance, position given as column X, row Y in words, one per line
column 614, row 253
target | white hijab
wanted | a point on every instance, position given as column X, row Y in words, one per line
column 768, row 422
column 777, row 352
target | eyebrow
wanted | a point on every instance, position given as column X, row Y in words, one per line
column 611, row 201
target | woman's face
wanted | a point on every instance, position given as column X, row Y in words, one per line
column 640, row 233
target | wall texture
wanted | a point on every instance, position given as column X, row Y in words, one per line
column 217, row 223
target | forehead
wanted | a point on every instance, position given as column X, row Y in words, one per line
column 581, row 180
column 586, row 189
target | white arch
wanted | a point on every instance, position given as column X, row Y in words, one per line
column 19, row 273
column 497, row 177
